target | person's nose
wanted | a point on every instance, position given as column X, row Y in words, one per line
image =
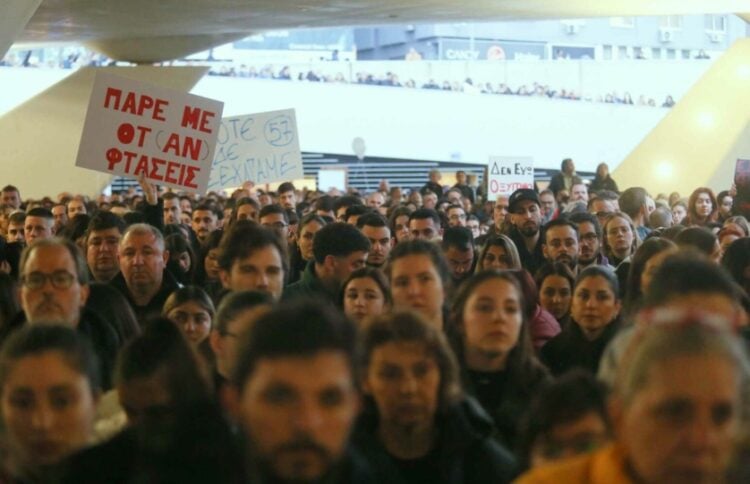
column 413, row 289
column 408, row 384
column 308, row 416
column 702, row 433
column 42, row 417
column 262, row 280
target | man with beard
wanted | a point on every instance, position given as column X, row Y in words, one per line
column 375, row 227
column 589, row 240
column 526, row 220
column 54, row 290
column 296, row 399
column 204, row 221
column 458, row 248
column 561, row 243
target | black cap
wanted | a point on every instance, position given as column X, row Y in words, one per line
column 522, row 194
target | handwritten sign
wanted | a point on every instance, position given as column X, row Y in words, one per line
column 135, row 128
column 262, row 148
column 507, row 174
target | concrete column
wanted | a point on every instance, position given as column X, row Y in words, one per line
column 698, row 142
column 15, row 16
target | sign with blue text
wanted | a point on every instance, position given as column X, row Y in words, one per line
column 262, row 148
column 506, row 174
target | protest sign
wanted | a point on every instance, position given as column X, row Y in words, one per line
column 507, row 174
column 135, row 128
column 262, row 148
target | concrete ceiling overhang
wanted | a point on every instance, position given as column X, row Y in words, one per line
column 166, row 29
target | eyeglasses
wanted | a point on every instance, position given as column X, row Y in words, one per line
column 59, row 279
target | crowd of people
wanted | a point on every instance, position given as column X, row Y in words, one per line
column 468, row 85
column 575, row 334
column 389, row 79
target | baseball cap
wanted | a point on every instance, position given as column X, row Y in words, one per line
column 522, row 194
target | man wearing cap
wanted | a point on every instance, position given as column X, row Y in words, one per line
column 526, row 220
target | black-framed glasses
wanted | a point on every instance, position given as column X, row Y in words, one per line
column 59, row 279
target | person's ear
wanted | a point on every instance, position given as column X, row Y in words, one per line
column 214, row 340
column 329, row 264
column 229, row 399
column 84, row 294
column 165, row 256
column 224, row 278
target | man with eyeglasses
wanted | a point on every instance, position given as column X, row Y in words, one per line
column 456, row 216
column 54, row 290
column 602, row 208
column 561, row 242
column 589, row 240
column 275, row 218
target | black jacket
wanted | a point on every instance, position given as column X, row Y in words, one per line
column 153, row 309
column 531, row 261
column 435, row 188
column 507, row 403
column 570, row 349
column 608, row 183
column 190, row 445
column 557, row 183
column 465, row 448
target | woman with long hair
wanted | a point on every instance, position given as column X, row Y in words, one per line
column 365, row 294
column 603, row 180
column 492, row 340
column 49, row 389
column 702, row 207
column 191, row 309
column 417, row 425
column 595, row 320
column 555, row 282
column 206, row 273
column 498, row 252
column 646, row 260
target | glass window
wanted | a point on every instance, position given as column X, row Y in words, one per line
column 656, row 53
column 671, row 22
column 626, row 22
column 716, row 23
column 607, row 52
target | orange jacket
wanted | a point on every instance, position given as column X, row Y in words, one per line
column 605, row 466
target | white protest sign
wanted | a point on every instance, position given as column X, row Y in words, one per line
column 261, row 147
column 508, row 173
column 135, row 128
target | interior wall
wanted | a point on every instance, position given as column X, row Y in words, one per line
column 695, row 143
column 40, row 137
